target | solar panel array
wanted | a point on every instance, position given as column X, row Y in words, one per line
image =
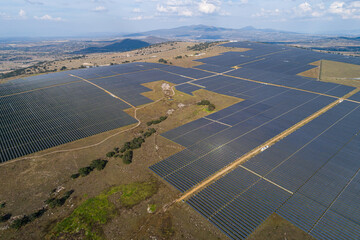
column 48, row 110
column 310, row 178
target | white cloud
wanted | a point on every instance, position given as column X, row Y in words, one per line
column 346, row 11
column 305, row 7
column 206, row 7
column 136, row 10
column 100, row 9
column 138, row 18
column 267, row 13
column 47, row 17
column 22, row 13
column 5, row 16
column 34, row 2
column 185, row 12
column 189, row 8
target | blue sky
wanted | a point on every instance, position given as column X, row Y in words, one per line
column 79, row 17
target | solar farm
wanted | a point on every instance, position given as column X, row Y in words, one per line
column 309, row 177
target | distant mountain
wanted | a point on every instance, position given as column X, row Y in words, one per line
column 203, row 32
column 118, row 46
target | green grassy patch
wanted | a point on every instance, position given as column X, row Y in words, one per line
column 96, row 211
column 133, row 194
column 152, row 208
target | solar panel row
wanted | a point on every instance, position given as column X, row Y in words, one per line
column 35, row 121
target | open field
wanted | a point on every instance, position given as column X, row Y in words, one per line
column 341, row 73
column 295, row 124
column 170, row 51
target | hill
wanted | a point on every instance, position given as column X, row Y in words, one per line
column 204, row 32
column 121, row 46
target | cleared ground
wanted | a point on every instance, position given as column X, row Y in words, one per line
column 341, row 73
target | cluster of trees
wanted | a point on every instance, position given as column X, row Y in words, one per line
column 178, row 57
column 201, row 46
column 98, row 164
column 161, row 60
column 20, row 222
column 25, row 219
column 126, row 151
column 211, row 107
column 58, row 202
column 157, row 121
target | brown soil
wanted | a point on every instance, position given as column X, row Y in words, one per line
column 277, row 228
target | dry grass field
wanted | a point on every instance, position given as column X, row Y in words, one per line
column 341, row 73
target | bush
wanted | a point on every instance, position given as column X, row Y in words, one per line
column 50, row 200
column 149, row 123
column 85, row 171
column 5, row 217
column 63, row 68
column 18, row 223
column 98, row 164
column 75, row 175
column 136, row 143
column 204, row 102
column 3, row 204
column 149, row 132
column 68, row 194
column 57, row 203
column 211, row 107
column 110, row 154
column 161, row 60
column 128, row 156
column 163, row 118
column 116, row 150
column 37, row 214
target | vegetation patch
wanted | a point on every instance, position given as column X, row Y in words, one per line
column 58, row 202
column 95, row 164
column 157, row 121
column 96, row 211
column 20, row 222
column 201, row 46
column 210, row 106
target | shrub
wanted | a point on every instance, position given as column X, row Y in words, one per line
column 3, row 204
column 110, row 154
column 163, row 118
column 37, row 214
column 161, row 60
column 68, row 194
column 136, row 143
column 211, row 107
column 149, row 132
column 62, row 68
column 75, row 175
column 85, row 171
column 18, row 223
column 5, row 217
column 123, row 149
column 116, row 150
column 149, row 123
column 98, row 164
column 57, row 203
column 128, row 156
column 204, row 102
